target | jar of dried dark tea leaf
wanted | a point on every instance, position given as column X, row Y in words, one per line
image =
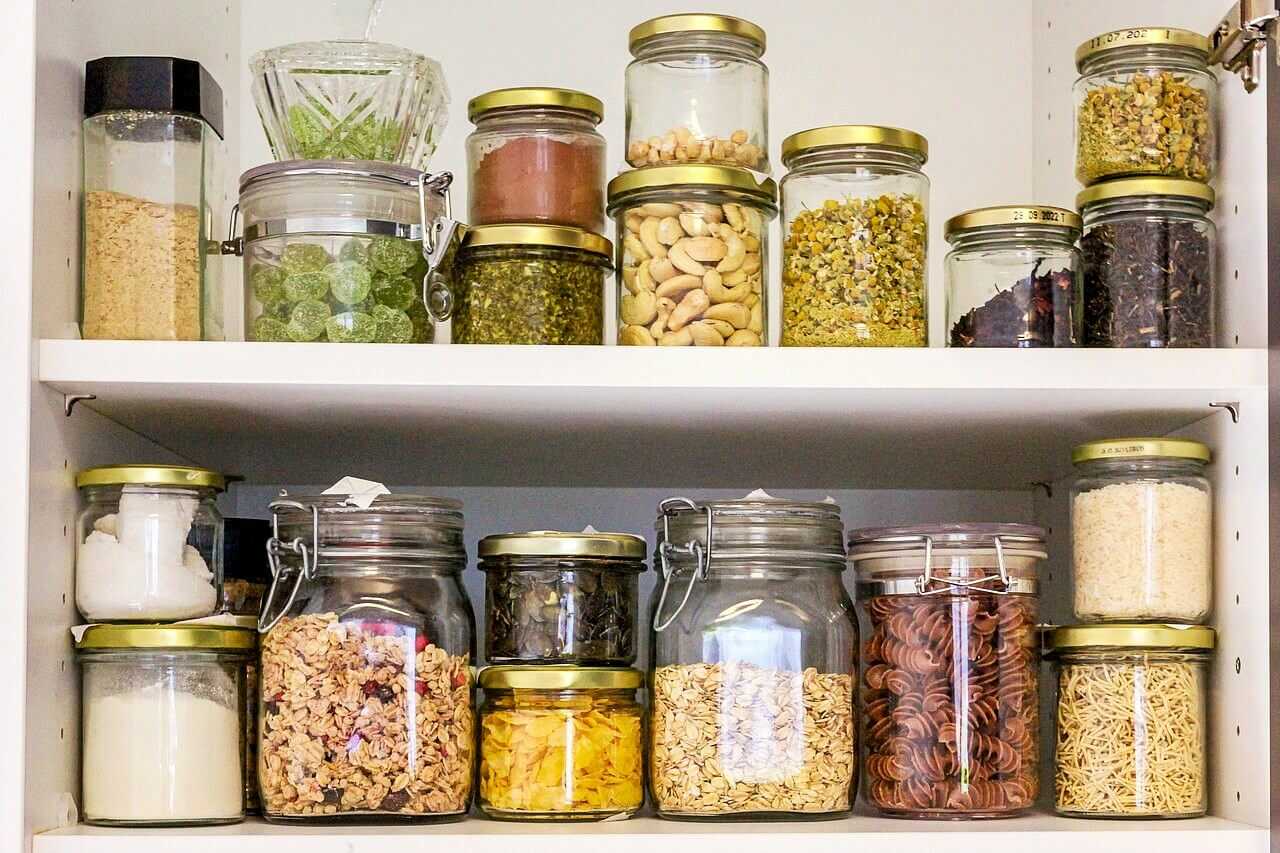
column 554, row 597
column 1148, row 254
column 1013, row 277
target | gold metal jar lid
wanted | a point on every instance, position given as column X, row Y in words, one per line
column 1139, row 36
column 1129, row 636
column 209, row 638
column 695, row 175
column 1128, row 187
column 695, row 23
column 559, row 678
column 531, row 234
column 535, row 96
column 557, row 543
column 1013, row 214
column 847, row 135
column 151, row 475
column 1140, row 448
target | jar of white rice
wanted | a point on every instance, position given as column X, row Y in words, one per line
column 1142, row 531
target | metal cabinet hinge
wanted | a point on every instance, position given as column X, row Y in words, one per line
column 1239, row 42
column 1232, row 408
column 69, row 401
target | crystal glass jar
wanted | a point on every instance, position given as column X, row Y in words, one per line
column 1132, row 726
column 1142, row 531
column 1013, row 277
column 152, row 198
column 555, row 597
column 1148, row 251
column 698, row 92
column 535, row 156
column 755, row 661
column 150, row 543
column 951, row 703
column 1146, row 104
column 530, row 284
column 163, row 724
column 855, row 223
column 693, row 255
column 372, row 598
column 561, row 743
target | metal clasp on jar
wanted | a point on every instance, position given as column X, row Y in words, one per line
column 440, row 242
column 276, row 548
column 667, row 550
column 926, row 580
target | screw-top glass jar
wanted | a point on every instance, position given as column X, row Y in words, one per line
column 855, row 222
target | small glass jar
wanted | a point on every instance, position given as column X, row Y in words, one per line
column 1142, row 531
column 951, row 709
column 553, row 597
column 561, row 743
column 530, row 284
column 1132, row 727
column 535, row 156
column 693, row 256
column 1146, row 104
column 163, row 724
column 1148, row 252
column 855, row 223
column 1013, row 277
column 150, row 543
column 373, row 599
column 152, row 198
column 698, row 92
column 755, row 661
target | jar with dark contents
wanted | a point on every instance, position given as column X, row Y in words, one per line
column 553, row 597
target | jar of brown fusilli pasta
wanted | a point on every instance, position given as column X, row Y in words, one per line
column 1131, row 720
column 950, row 702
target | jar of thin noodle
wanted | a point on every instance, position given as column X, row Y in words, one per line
column 1131, row 727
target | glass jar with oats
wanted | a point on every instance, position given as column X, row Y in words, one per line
column 755, row 660
column 855, row 223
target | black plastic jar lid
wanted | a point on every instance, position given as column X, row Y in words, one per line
column 161, row 83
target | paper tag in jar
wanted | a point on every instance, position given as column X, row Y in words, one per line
column 590, row 529
column 759, row 495
column 360, row 493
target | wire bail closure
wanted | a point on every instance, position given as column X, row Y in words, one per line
column 927, row 580
column 276, row 548
column 440, row 240
column 667, row 550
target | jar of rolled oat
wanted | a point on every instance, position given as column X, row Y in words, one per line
column 755, row 655
column 366, row 694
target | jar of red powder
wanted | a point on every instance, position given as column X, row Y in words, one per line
column 535, row 157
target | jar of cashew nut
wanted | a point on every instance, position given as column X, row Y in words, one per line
column 692, row 255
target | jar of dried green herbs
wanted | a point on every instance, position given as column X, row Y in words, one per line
column 1146, row 104
column 530, row 284
column 855, row 207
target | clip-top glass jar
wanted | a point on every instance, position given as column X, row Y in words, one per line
column 855, row 224
column 149, row 543
column 755, row 661
column 1013, row 277
column 951, row 708
column 1142, row 531
column 698, row 92
column 1146, row 104
column 371, row 599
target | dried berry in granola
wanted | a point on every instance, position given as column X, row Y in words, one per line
column 574, row 614
column 1037, row 311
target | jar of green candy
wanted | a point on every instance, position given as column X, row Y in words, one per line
column 333, row 251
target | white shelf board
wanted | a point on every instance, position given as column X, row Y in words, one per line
column 477, row 415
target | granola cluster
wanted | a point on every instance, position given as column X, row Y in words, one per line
column 338, row 698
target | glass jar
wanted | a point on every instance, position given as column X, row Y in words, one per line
column 373, row 599
column 1146, row 104
column 1142, row 531
column 855, row 223
column 150, row 543
column 560, row 743
column 530, row 284
column 1131, row 720
column 152, row 197
column 1013, row 277
column 1148, row 252
column 553, row 597
column 698, row 92
column 535, row 156
column 163, row 724
column 333, row 252
column 951, row 703
column 693, row 256
column 755, row 660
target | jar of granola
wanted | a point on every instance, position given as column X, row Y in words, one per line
column 366, row 697
column 755, row 656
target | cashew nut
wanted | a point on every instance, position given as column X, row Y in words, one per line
column 659, row 209
column 757, row 319
column 735, row 252
column 733, row 213
column 665, row 307
column 639, row 308
column 725, row 329
column 734, row 278
column 747, row 154
column 705, row 336
column 635, row 336
column 738, row 137
column 661, row 269
column 705, row 210
column 752, row 300
column 706, row 249
column 635, row 248
column 669, row 230
column 683, row 262
column 751, row 264
column 649, row 238
column 754, row 220
column 676, row 287
column 752, row 242
column 681, row 338
column 629, row 278
column 693, row 225
column 743, row 338
column 691, row 306
column 734, row 313
column 644, row 281
column 633, row 222
column 719, row 293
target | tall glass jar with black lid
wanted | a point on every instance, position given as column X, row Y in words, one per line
column 366, row 662
column 755, row 659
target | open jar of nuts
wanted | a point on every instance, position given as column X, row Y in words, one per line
column 692, row 258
